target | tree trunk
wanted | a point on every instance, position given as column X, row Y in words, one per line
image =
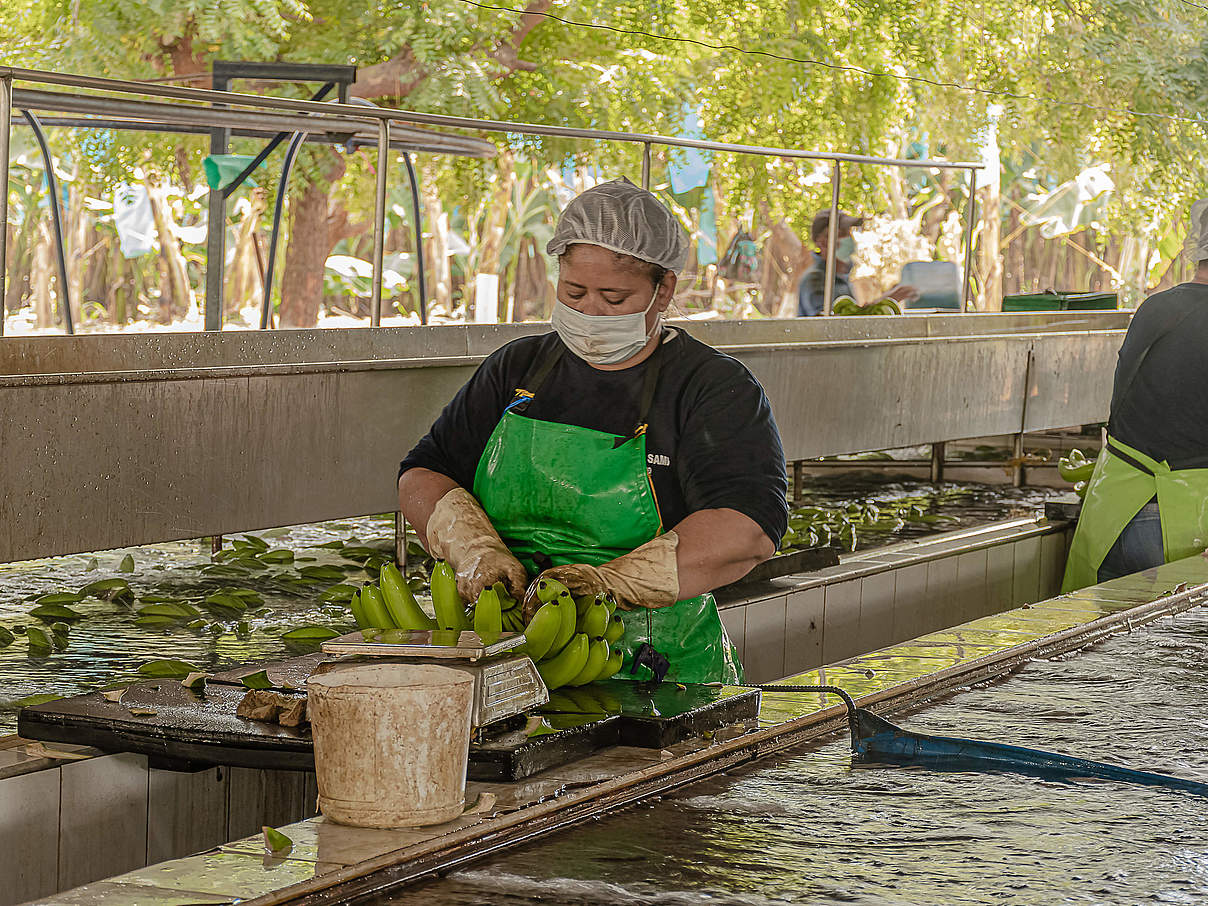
column 77, row 230
column 20, row 259
column 305, row 258
column 492, row 233
column 438, row 267
column 40, row 276
column 178, row 298
column 244, row 287
column 990, row 255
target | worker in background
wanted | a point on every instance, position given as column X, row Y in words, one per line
column 811, row 291
column 1147, row 500
column 616, row 453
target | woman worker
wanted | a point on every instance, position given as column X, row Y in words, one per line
column 615, row 454
column 1147, row 500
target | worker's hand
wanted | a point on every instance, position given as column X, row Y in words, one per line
column 646, row 577
column 461, row 534
column 903, row 293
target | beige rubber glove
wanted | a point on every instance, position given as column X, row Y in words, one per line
column 461, row 534
column 645, row 577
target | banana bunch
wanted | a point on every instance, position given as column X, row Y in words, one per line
column 389, row 603
column 1076, row 468
column 846, row 306
column 570, row 639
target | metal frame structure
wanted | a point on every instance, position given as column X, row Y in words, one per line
column 227, row 111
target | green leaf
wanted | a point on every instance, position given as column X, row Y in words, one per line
column 38, row 698
column 38, row 640
column 276, row 842
column 50, row 613
column 61, row 597
column 341, row 593
column 310, row 633
column 277, row 555
column 127, row 564
column 104, row 588
column 166, row 668
column 6, row 637
column 257, row 680
column 322, row 573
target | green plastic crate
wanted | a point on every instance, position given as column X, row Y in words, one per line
column 1060, row 301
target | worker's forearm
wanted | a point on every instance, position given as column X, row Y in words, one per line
column 419, row 490
column 717, row 547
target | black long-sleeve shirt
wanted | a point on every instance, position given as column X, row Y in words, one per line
column 711, row 440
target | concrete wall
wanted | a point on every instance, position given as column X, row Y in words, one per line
column 893, row 594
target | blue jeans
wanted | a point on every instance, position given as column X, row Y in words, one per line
column 1138, row 547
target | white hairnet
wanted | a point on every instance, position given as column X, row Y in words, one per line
column 1195, row 246
column 619, row 216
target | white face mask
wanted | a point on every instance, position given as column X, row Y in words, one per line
column 603, row 339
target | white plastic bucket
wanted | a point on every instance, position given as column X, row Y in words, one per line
column 391, row 743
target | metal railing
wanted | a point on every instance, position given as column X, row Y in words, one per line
column 382, row 127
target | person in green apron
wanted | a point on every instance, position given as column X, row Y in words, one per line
column 1147, row 500
column 616, row 453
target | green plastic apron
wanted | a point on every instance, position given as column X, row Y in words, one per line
column 560, row 494
column 1125, row 479
column 1116, row 492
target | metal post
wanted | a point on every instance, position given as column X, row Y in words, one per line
column 400, row 541
column 379, row 222
column 937, row 462
column 832, row 237
column 215, row 544
column 798, row 479
column 56, row 218
column 419, row 238
column 6, row 115
column 1017, row 476
column 646, row 166
column 266, row 303
column 970, row 213
column 220, row 140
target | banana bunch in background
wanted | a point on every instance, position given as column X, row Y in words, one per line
column 569, row 639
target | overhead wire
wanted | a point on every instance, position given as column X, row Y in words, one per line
column 841, row 67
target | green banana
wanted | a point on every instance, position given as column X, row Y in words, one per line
column 450, row 611
column 404, row 610
column 542, row 629
column 558, row 671
column 595, row 621
column 597, row 659
column 488, row 618
column 615, row 658
column 610, row 602
column 566, row 631
column 506, row 601
column 375, row 607
column 358, row 612
column 616, row 629
column 548, row 589
column 582, row 602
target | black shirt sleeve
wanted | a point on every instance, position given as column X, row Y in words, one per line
column 730, row 453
